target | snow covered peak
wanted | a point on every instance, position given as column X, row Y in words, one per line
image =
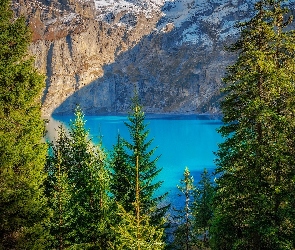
column 108, row 9
column 192, row 13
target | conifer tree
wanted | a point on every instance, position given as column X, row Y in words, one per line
column 137, row 150
column 183, row 235
column 22, row 153
column 254, row 204
column 202, row 209
column 140, row 222
column 193, row 219
column 83, row 165
column 58, row 190
column 135, row 230
column 89, row 179
column 121, row 186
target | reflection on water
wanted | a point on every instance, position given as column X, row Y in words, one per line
column 180, row 140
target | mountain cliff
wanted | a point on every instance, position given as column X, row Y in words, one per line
column 96, row 52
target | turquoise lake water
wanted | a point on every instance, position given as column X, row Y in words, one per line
column 187, row 140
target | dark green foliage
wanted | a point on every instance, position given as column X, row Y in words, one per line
column 89, row 181
column 125, row 157
column 194, row 219
column 183, row 218
column 121, row 185
column 202, row 210
column 139, row 147
column 58, row 190
column 22, row 154
column 140, row 223
column 254, row 205
column 78, row 185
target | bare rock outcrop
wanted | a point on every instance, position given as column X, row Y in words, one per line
column 73, row 40
column 96, row 52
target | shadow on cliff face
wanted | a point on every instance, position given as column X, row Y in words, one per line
column 175, row 70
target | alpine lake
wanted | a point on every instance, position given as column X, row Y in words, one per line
column 180, row 141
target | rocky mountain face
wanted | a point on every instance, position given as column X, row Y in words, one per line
column 97, row 52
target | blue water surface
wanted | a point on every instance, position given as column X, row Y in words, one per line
column 181, row 140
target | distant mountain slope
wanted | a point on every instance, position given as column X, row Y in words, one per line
column 95, row 52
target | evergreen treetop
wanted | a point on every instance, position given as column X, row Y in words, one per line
column 183, row 235
column 139, row 147
column 141, row 224
column 132, row 153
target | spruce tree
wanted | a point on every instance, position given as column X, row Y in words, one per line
column 254, row 204
column 140, row 224
column 89, row 181
column 183, row 218
column 202, row 209
column 22, row 152
column 121, row 187
column 136, row 152
column 135, row 230
column 58, row 190
column 193, row 218
column 78, row 171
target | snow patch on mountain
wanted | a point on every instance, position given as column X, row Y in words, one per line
column 110, row 8
column 219, row 14
column 190, row 17
column 179, row 11
column 193, row 35
column 204, row 22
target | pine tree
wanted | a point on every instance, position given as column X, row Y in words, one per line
column 193, row 219
column 140, row 224
column 254, row 204
column 22, row 153
column 121, row 186
column 85, row 222
column 137, row 150
column 202, row 209
column 135, row 230
column 89, row 179
column 183, row 235
column 58, row 190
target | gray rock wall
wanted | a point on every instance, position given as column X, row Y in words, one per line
column 71, row 44
column 96, row 53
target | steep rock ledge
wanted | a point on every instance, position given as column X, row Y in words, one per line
column 176, row 69
column 96, row 52
column 71, row 42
